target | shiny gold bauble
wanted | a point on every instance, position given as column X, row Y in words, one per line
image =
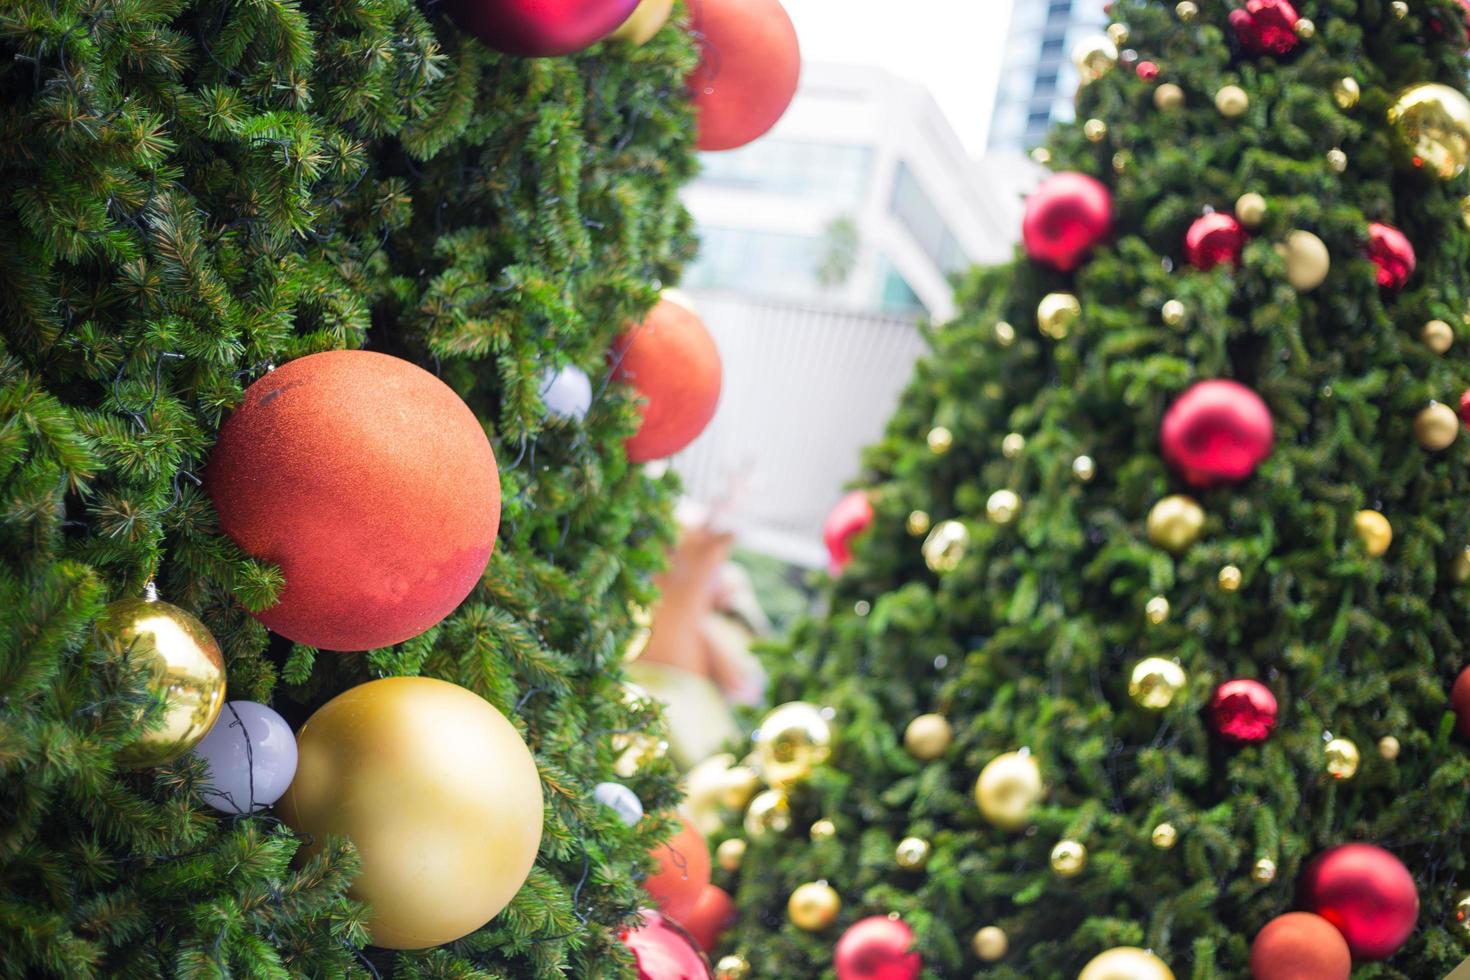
column 1068, row 858
column 184, row 671
column 1126, row 963
column 1005, row 334
column 1374, row 531
column 917, row 523
column 927, row 737
column 792, row 740
column 1155, row 683
column 1008, row 789
column 1013, row 445
column 1263, row 872
column 1462, row 912
column 1003, row 507
column 715, row 787
column 1121, row 159
column 643, row 23
column 1305, row 29
column 940, row 440
column 1460, row 567
column 1400, row 9
column 1156, row 610
column 1084, row 469
column 1307, row 261
column 1186, row 11
column 912, row 853
column 1095, row 130
column 1056, row 313
column 769, row 813
column 1250, row 209
column 813, row 906
column 1168, row 97
column 1342, row 758
column 1173, row 312
column 990, row 944
column 1438, row 336
column 731, row 854
column 1432, row 123
column 1164, row 836
column 1436, row 426
column 1389, row 748
column 1094, row 57
column 1229, row 579
column 946, row 545
column 1232, row 101
column 1175, row 522
column 823, row 829
column 732, row 967
column 1118, row 34
column 1345, row 92
column 1041, row 155
column 1337, row 160
column 437, row 791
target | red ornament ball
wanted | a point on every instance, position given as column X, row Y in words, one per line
column 683, row 872
column 711, row 916
column 1460, row 702
column 852, row 516
column 1465, row 406
column 540, row 28
column 879, row 947
column 1300, row 946
column 662, row 950
column 1147, row 70
column 1365, row 892
column 1214, row 239
column 1066, row 217
column 1243, row 710
column 1391, row 251
column 372, row 486
column 1265, row 26
column 1217, row 432
column 748, row 74
column 673, row 363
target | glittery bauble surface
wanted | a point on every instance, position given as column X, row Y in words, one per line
column 1066, row 217
column 1432, row 123
column 852, row 516
column 372, row 486
column 1391, row 252
column 673, row 364
column 683, row 871
column 644, row 22
column 749, row 71
column 1007, row 789
column 1217, row 432
column 540, row 28
column 1126, row 963
column 185, row 675
column 879, row 947
column 1299, row 945
column 1265, row 26
column 1243, row 710
column 437, row 791
column 1365, row 892
column 1214, row 239
column 712, row 914
column 664, row 951
column 792, row 740
column 1460, row 702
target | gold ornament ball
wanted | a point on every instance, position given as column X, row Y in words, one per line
column 1462, row 912
column 1168, row 96
column 1013, row 445
column 1084, row 469
column 1374, row 531
column 1305, row 29
column 1345, row 92
column 1432, row 123
column 1460, row 567
column 940, row 440
column 1041, row 155
column 1342, row 759
column 1068, row 858
column 1094, row 57
column 1126, row 963
column 1232, row 101
column 912, row 853
column 927, row 737
column 437, row 791
column 990, row 944
column 1438, row 336
column 917, row 523
column 1465, row 211
column 1008, row 788
column 1157, row 610
column 1175, row 522
column 1095, row 130
column 945, row 546
column 1400, row 9
column 184, row 671
column 1250, row 209
column 1307, row 261
column 715, row 786
column 732, row 967
column 643, row 23
column 769, row 813
column 1337, row 160
column 822, row 830
column 1155, row 683
column 1436, row 426
column 1229, row 579
column 1056, row 313
column 813, row 906
column 1120, row 161
column 1263, row 872
column 642, row 632
column 1389, row 748
column 1005, row 334
column 1173, row 312
column 1118, row 34
column 731, row 854
column 1186, row 11
column 1003, row 507
column 1164, row 836
column 791, row 741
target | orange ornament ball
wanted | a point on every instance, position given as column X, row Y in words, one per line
column 370, row 484
column 672, row 362
column 1298, row 945
column 749, row 71
column 683, row 872
column 711, row 916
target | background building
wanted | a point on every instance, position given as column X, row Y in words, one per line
column 1037, row 79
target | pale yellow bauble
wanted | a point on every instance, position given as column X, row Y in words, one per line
column 1008, row 790
column 437, row 791
column 644, row 22
column 1126, row 963
column 1307, row 261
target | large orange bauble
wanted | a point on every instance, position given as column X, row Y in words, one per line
column 1300, row 945
column 673, row 363
column 372, row 486
column 711, row 916
column 683, row 872
column 749, row 72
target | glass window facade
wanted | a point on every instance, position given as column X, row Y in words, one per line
column 913, row 209
column 1037, row 79
column 832, row 173
column 763, row 263
column 895, row 295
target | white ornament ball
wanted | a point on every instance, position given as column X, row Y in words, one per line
column 567, row 392
column 624, row 801
column 251, row 754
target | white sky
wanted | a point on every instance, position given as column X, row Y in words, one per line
column 951, row 46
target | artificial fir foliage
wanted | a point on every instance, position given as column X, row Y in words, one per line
column 192, row 191
column 1025, row 627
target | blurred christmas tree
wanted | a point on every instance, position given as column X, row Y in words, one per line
column 1166, row 583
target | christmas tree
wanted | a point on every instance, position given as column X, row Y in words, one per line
column 1165, row 587
column 195, row 194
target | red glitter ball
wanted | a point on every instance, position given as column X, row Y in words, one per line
column 1147, row 70
column 1392, row 252
column 1244, row 710
column 1265, row 26
column 1214, row 239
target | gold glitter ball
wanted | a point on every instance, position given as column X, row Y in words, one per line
column 1173, row 312
column 1155, row 683
column 1157, row 610
column 1005, row 334
column 732, row 967
column 1186, row 11
column 1013, row 445
column 1164, row 836
column 1342, row 759
column 912, row 853
column 1095, row 130
column 1168, row 96
column 1345, row 92
column 1250, row 209
column 1336, row 160
column 1056, row 313
column 823, row 830
column 1400, row 9
column 1068, row 858
column 1084, row 469
column 940, row 440
column 1229, row 578
column 1003, row 507
column 1263, row 872
column 917, row 523
column 1305, row 29
column 730, row 854
column 1118, row 33
column 945, row 546
column 1232, row 101
column 1389, row 748
column 1438, row 336
column 990, row 944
